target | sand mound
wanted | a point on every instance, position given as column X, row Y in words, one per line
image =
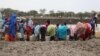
column 53, row 48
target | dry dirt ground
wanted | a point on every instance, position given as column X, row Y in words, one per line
column 50, row 48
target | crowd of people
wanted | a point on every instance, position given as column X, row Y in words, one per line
column 12, row 30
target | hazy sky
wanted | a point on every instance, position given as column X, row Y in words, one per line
column 63, row 5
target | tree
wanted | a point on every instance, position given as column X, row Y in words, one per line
column 21, row 13
column 60, row 13
column 86, row 14
column 42, row 11
column 1, row 14
column 79, row 14
column 70, row 14
column 32, row 12
column 93, row 13
column 7, row 12
column 52, row 13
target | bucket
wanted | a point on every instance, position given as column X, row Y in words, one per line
column 19, row 35
column 67, row 37
column 47, row 38
column 25, row 36
column 97, row 34
column 32, row 37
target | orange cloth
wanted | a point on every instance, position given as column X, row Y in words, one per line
column 6, row 37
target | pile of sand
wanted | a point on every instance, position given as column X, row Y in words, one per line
column 53, row 48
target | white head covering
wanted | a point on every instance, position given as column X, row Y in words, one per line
column 30, row 23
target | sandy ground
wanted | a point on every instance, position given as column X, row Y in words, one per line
column 50, row 48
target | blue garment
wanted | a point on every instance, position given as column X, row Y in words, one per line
column 62, row 32
column 93, row 22
column 21, row 29
column 12, row 25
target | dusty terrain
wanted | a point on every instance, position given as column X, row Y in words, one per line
column 53, row 48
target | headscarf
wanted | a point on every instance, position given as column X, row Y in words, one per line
column 30, row 23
